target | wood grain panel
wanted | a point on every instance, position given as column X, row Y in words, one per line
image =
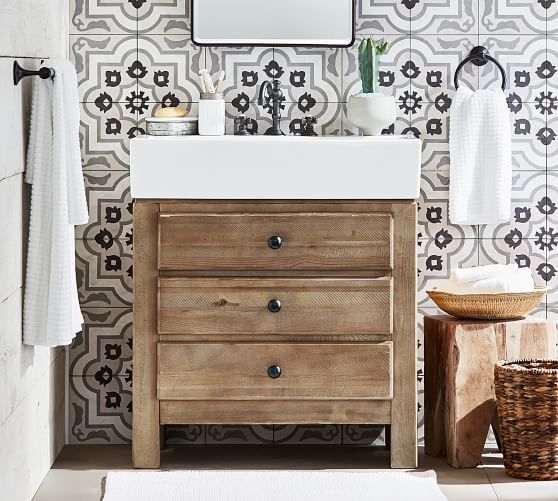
column 310, row 241
column 212, row 371
column 145, row 428
column 276, row 412
column 404, row 405
column 210, row 306
column 273, row 338
column 274, row 206
column 277, row 273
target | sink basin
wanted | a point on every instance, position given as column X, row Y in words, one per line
column 269, row 167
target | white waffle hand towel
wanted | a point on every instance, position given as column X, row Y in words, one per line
column 51, row 313
column 515, row 280
column 476, row 273
column 490, row 279
column 480, row 157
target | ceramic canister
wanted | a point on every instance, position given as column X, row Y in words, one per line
column 187, row 126
column 211, row 113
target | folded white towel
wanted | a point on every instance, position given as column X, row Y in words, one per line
column 492, row 279
column 51, row 314
column 475, row 273
column 480, row 157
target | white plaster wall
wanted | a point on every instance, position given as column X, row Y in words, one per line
column 34, row 28
column 32, row 380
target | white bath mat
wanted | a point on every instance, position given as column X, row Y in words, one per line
column 272, row 486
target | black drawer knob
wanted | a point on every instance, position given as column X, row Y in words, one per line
column 274, row 306
column 274, row 371
column 274, row 242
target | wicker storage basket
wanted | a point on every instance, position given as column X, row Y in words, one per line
column 488, row 306
column 527, row 403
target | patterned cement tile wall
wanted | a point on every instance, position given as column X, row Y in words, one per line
column 133, row 56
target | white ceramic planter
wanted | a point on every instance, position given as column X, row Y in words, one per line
column 371, row 112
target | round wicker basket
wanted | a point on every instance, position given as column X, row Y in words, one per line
column 502, row 306
column 527, row 403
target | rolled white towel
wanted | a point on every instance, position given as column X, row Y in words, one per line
column 467, row 275
column 513, row 280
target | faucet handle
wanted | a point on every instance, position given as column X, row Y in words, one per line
column 265, row 94
column 241, row 126
column 308, row 123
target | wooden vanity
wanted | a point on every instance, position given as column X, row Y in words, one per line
column 274, row 312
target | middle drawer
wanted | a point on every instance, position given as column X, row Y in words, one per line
column 294, row 306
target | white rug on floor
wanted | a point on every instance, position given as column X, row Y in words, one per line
column 272, row 486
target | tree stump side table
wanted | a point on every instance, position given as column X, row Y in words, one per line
column 459, row 359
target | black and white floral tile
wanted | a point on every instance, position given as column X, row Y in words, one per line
column 133, row 56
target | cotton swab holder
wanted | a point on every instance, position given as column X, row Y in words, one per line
column 211, row 114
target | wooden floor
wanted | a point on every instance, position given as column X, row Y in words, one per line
column 79, row 471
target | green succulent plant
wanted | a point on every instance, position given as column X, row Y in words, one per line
column 369, row 53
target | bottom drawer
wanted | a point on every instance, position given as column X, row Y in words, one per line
column 274, row 371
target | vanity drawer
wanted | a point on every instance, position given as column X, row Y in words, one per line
column 293, row 306
column 307, row 241
column 275, row 371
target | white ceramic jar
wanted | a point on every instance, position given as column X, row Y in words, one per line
column 211, row 114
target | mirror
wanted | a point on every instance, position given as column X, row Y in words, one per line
column 273, row 22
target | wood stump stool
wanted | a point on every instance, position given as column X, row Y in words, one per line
column 459, row 359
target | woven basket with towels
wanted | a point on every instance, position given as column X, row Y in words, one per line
column 492, row 292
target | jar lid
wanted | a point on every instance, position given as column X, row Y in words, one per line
column 211, row 95
column 172, row 120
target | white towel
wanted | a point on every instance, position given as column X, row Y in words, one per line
column 476, row 273
column 491, row 279
column 51, row 313
column 480, row 157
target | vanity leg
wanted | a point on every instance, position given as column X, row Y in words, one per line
column 387, row 437
column 163, row 436
column 404, row 403
column 146, row 448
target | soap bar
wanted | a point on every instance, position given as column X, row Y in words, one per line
column 172, row 112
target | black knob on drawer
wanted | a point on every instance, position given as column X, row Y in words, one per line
column 274, row 371
column 274, row 306
column 274, row 242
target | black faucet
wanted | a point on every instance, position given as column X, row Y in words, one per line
column 270, row 91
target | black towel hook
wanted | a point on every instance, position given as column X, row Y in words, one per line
column 20, row 73
column 479, row 56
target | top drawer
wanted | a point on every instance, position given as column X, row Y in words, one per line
column 306, row 241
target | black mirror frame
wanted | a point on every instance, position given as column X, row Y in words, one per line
column 247, row 44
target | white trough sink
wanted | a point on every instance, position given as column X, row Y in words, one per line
column 271, row 167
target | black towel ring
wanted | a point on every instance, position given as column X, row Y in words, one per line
column 479, row 56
